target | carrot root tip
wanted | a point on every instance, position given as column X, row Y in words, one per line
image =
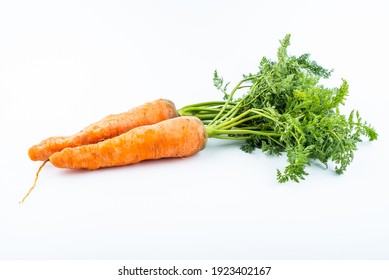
column 34, row 184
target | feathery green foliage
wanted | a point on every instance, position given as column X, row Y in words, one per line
column 286, row 110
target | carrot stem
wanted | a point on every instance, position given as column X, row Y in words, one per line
column 36, row 179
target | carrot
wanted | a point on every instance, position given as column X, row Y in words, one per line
column 171, row 138
column 177, row 137
column 108, row 127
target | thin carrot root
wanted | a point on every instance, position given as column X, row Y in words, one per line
column 108, row 127
column 36, row 179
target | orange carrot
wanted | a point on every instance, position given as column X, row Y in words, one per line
column 108, row 127
column 177, row 137
column 171, row 138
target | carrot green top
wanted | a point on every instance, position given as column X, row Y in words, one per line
column 284, row 109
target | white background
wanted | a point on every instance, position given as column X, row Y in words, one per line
column 65, row 64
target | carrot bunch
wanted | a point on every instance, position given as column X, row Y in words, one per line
column 153, row 130
column 283, row 109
